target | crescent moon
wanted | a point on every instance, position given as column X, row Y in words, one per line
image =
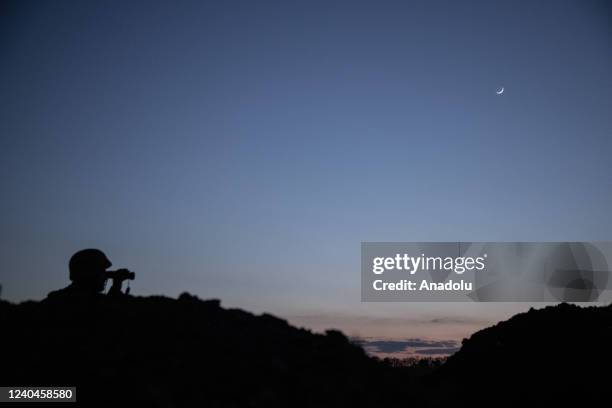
column 501, row 91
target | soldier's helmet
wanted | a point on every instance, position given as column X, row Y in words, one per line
column 87, row 267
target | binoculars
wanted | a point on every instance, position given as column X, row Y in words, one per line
column 121, row 274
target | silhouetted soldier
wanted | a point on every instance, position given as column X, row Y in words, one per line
column 88, row 273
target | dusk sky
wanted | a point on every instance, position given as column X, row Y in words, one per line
column 244, row 150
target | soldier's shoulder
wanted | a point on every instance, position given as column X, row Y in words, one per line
column 60, row 293
column 70, row 293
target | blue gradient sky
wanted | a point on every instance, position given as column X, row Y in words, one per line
column 243, row 150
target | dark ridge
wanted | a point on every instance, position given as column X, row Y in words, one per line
column 161, row 352
column 555, row 355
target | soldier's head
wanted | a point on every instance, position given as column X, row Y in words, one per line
column 87, row 269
